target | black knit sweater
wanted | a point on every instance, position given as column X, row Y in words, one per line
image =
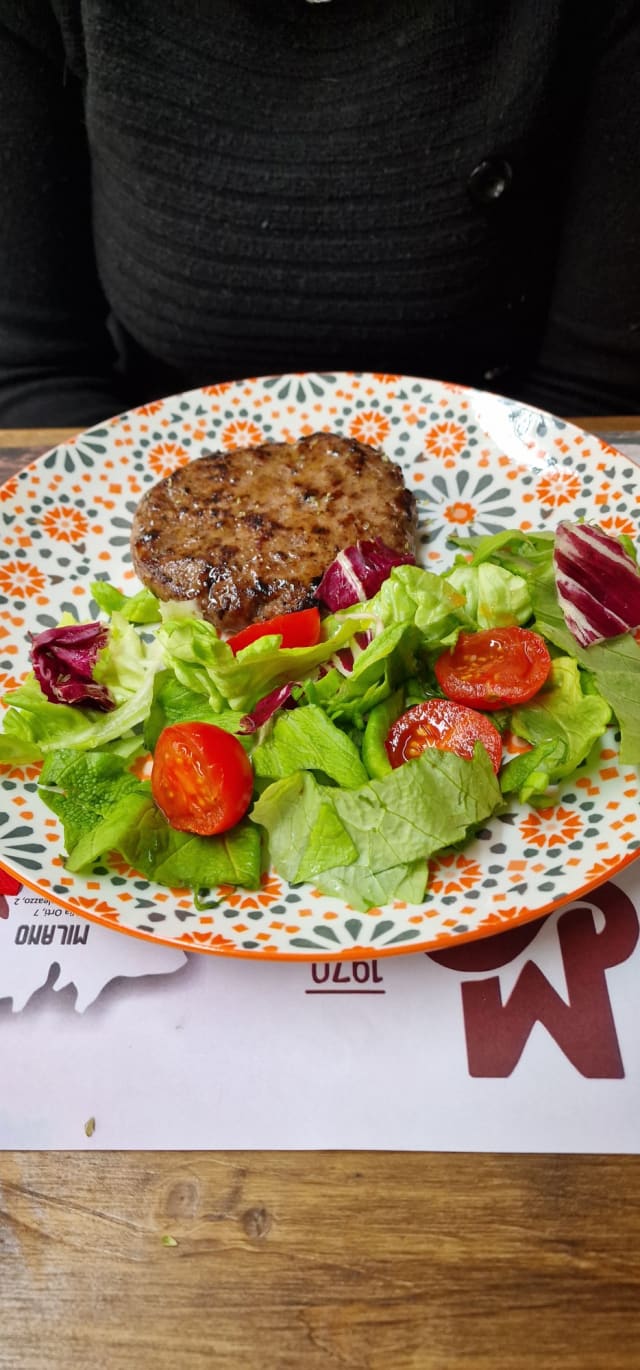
column 197, row 191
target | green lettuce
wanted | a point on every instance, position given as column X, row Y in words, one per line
column 104, row 808
column 181, row 859
column 174, row 702
column 562, row 722
column 561, row 711
column 305, row 832
column 143, row 607
column 614, row 665
column 364, row 889
column 528, row 555
column 493, row 596
column 390, row 824
column 422, row 806
column 42, row 727
column 306, row 739
column 430, row 602
column 529, row 775
column 87, row 790
column 34, row 726
column 206, row 664
column 377, row 671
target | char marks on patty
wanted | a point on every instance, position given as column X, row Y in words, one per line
column 248, row 534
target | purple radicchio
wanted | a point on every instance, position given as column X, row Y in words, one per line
column 279, row 698
column 598, row 583
column 358, row 572
column 63, row 661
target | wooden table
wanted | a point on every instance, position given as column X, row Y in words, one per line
column 317, row 1261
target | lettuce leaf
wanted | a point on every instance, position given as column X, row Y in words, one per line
column 207, row 665
column 561, row 712
column 127, row 661
column 143, row 607
column 34, row 726
column 104, row 808
column 306, row 739
column 425, row 805
column 562, row 722
column 529, row 775
column 494, row 597
column 386, row 825
column 174, row 702
column 183, row 860
column 377, row 671
column 431, row 603
column 364, row 889
column 86, row 789
column 305, row 833
column 528, row 555
column 43, row 727
column 614, row 665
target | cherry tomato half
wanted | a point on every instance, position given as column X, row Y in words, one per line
column 299, row 629
column 201, row 779
column 494, row 668
column 443, row 724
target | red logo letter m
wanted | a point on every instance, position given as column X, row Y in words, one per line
column 583, row 1028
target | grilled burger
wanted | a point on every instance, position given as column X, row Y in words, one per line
column 248, row 534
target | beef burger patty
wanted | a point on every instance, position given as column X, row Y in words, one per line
column 248, row 534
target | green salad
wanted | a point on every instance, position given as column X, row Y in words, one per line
column 338, row 762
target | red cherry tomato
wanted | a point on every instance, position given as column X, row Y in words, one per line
column 300, row 629
column 494, row 668
column 443, row 724
column 201, row 779
column 8, row 883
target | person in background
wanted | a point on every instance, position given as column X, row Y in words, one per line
column 196, row 192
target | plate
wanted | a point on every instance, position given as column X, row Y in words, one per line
column 476, row 463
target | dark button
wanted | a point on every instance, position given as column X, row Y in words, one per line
column 489, row 180
column 494, row 373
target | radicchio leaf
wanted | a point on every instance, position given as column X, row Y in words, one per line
column 344, row 660
column 358, row 572
column 266, row 707
column 63, row 660
column 598, row 583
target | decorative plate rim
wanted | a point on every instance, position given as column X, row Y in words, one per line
column 348, row 953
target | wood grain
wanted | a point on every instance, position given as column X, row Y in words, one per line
column 606, row 424
column 316, row 1261
column 29, row 438
column 408, row 1262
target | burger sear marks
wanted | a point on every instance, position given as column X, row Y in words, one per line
column 248, row 534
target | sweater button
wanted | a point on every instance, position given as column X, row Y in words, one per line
column 489, row 180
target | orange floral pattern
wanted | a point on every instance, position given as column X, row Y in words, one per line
column 65, row 524
column 551, row 827
column 166, row 457
column 616, row 524
column 459, row 513
column 269, row 893
column 558, row 488
column 216, row 390
column 241, row 433
column 21, row 579
column 370, row 427
column 454, row 874
column 446, row 439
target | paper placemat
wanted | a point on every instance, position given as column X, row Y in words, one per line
column 528, row 1041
